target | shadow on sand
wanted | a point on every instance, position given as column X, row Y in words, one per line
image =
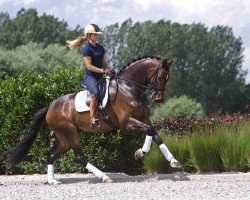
column 122, row 178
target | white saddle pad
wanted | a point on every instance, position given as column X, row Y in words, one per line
column 80, row 99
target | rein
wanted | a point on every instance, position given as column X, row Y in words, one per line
column 154, row 76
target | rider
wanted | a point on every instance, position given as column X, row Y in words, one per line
column 96, row 65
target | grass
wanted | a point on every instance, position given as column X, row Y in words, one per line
column 204, row 152
column 232, row 150
column 155, row 161
column 227, row 148
column 245, row 131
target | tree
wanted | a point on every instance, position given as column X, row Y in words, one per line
column 207, row 63
column 208, row 67
column 110, row 42
column 3, row 18
column 34, row 58
column 7, row 29
column 29, row 27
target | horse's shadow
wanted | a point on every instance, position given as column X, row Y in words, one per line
column 123, row 178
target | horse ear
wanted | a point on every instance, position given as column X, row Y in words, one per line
column 170, row 62
column 166, row 63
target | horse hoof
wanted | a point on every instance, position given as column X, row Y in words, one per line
column 138, row 154
column 107, row 180
column 53, row 182
column 174, row 163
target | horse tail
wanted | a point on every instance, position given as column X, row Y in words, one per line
column 15, row 155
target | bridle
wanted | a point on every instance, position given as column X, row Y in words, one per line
column 153, row 81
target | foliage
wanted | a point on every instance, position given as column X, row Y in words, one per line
column 220, row 144
column 207, row 62
column 204, row 153
column 29, row 27
column 180, row 125
column 207, row 68
column 247, row 144
column 182, row 106
column 232, row 149
column 34, row 57
column 21, row 98
column 154, row 161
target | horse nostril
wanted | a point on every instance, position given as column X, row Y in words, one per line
column 158, row 100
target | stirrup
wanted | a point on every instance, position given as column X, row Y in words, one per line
column 94, row 122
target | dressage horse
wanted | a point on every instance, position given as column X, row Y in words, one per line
column 127, row 107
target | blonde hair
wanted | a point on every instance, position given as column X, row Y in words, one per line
column 77, row 42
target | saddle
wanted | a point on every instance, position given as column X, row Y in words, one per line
column 102, row 90
column 82, row 99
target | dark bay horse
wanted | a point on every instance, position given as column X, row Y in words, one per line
column 128, row 109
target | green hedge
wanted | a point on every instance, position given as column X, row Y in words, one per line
column 21, row 98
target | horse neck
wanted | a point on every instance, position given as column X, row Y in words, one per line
column 137, row 72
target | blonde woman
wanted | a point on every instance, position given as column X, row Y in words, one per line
column 96, row 65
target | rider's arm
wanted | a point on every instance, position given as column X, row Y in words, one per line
column 105, row 64
column 88, row 62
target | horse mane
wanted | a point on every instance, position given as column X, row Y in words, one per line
column 137, row 59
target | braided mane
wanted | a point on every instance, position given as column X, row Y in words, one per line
column 138, row 59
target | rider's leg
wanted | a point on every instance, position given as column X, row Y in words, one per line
column 92, row 86
column 94, row 121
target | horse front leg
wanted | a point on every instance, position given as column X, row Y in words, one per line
column 134, row 124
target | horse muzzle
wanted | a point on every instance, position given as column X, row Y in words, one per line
column 158, row 97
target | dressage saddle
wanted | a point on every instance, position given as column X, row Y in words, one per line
column 102, row 90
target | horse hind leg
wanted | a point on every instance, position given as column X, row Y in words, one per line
column 57, row 148
column 81, row 159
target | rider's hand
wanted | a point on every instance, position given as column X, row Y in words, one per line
column 108, row 71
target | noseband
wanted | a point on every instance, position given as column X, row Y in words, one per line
column 153, row 79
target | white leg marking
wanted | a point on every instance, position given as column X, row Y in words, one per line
column 51, row 176
column 166, row 152
column 145, row 149
column 138, row 154
column 98, row 173
column 173, row 162
column 147, row 144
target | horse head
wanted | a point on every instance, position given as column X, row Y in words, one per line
column 159, row 78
